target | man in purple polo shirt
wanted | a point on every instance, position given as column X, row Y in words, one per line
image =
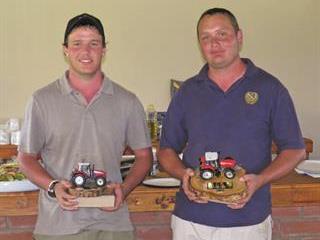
column 235, row 108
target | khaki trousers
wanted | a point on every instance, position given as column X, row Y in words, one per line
column 89, row 235
column 185, row 230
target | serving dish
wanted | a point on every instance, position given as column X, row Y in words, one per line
column 309, row 167
column 17, row 186
column 162, row 182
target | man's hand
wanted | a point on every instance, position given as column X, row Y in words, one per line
column 191, row 194
column 118, row 191
column 172, row 164
column 65, row 200
column 254, row 182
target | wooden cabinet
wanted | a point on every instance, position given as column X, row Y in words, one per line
column 6, row 151
column 145, row 198
column 19, row 203
column 292, row 190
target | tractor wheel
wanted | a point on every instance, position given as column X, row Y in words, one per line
column 100, row 181
column 229, row 173
column 78, row 180
column 206, row 174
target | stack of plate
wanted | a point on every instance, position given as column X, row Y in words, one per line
column 309, row 167
column 126, row 163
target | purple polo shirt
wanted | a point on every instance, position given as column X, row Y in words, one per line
column 241, row 123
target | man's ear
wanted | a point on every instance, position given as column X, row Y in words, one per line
column 240, row 37
column 104, row 51
column 65, row 51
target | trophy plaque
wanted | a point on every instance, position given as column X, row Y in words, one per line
column 218, row 179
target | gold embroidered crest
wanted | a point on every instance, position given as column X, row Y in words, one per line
column 251, row 97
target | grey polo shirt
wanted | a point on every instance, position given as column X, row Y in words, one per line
column 65, row 130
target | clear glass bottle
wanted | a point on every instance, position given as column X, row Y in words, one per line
column 155, row 164
column 152, row 122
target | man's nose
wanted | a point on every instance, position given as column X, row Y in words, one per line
column 86, row 47
column 214, row 41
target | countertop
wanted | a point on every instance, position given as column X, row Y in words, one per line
column 292, row 190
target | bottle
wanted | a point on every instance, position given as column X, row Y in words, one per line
column 155, row 165
column 152, row 122
column 4, row 137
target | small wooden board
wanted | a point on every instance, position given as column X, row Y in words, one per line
column 94, row 197
column 101, row 201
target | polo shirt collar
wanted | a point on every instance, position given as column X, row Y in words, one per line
column 203, row 74
column 107, row 86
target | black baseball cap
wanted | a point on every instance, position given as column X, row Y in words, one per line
column 84, row 19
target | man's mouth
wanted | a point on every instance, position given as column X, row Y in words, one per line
column 85, row 60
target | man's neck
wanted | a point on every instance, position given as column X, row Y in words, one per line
column 88, row 87
column 226, row 77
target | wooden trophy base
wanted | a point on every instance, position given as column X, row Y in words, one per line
column 220, row 189
column 94, row 197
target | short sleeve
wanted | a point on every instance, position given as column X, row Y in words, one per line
column 174, row 134
column 137, row 134
column 33, row 130
column 285, row 126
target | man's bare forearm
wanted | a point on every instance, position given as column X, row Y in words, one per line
column 282, row 165
column 31, row 167
column 171, row 163
column 139, row 170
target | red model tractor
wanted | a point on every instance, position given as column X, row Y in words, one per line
column 85, row 176
column 211, row 165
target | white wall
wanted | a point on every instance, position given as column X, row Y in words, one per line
column 150, row 42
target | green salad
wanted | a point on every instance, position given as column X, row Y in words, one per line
column 10, row 172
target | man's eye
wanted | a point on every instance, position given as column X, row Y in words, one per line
column 223, row 35
column 94, row 44
column 75, row 44
column 205, row 38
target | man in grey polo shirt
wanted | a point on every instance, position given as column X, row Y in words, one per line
column 83, row 117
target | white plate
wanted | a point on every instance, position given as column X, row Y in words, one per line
column 309, row 166
column 162, row 182
column 310, row 174
column 17, row 186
